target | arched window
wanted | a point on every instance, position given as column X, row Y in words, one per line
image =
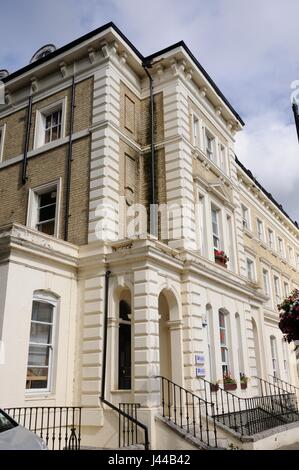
column 41, row 342
column 239, row 344
column 124, row 345
column 274, row 356
column 223, row 341
column 285, row 359
column 209, row 333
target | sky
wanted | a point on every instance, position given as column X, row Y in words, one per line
column 248, row 47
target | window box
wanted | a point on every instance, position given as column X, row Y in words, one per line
column 221, row 258
column 230, row 386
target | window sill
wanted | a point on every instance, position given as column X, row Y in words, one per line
column 121, row 391
column 31, row 395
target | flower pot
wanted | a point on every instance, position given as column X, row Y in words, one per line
column 214, row 387
column 221, row 262
column 243, row 386
column 230, row 386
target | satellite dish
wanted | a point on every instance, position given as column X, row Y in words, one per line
column 43, row 52
column 3, row 73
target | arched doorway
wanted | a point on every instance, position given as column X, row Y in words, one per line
column 170, row 337
column 256, row 371
column 124, row 341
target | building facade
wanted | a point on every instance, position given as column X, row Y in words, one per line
column 114, row 204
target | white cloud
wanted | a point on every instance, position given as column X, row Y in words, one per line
column 269, row 148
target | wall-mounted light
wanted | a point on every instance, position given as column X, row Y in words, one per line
column 204, row 321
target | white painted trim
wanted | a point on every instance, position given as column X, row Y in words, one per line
column 53, row 300
column 2, row 129
column 32, row 204
column 39, row 129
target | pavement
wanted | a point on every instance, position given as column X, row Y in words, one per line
column 294, row 446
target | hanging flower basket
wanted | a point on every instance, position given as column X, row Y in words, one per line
column 289, row 317
column 221, row 258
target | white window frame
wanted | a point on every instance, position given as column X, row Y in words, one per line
column 291, row 254
column 225, row 346
column 218, row 223
column 286, row 289
column 51, row 299
column 274, row 356
column 222, row 158
column 297, row 261
column 260, row 233
column 280, row 246
column 196, row 125
column 245, row 221
column 39, row 134
column 200, row 213
column 211, row 154
column 271, row 238
column 266, row 281
column 2, row 134
column 252, row 261
column 34, row 193
column 277, row 288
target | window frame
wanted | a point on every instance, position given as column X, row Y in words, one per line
column 41, row 113
column 271, row 238
column 196, row 137
column 274, row 356
column 245, row 222
column 2, row 137
column 218, row 223
column 224, row 346
column 209, row 137
column 32, row 209
column 260, row 234
column 51, row 299
column 277, row 292
column 252, row 261
column 266, row 285
column 280, row 244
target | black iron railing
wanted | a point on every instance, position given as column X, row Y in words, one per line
column 248, row 416
column 128, row 430
column 128, row 415
column 191, row 413
column 287, row 387
column 268, row 388
column 58, row 426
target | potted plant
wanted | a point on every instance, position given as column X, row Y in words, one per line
column 243, row 381
column 214, row 386
column 229, row 382
column 289, row 317
column 221, row 258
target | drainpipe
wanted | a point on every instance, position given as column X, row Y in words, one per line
column 153, row 211
column 69, row 162
column 105, row 334
column 296, row 117
column 27, row 138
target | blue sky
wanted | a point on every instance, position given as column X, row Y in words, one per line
column 250, row 48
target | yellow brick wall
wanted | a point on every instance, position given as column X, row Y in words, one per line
column 43, row 169
column 16, row 122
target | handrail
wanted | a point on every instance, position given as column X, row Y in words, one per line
column 188, row 411
column 249, row 415
column 268, row 387
column 130, row 418
column 284, row 383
